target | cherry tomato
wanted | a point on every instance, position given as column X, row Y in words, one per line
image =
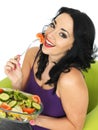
column 41, row 37
column 1, row 90
column 5, row 106
column 36, row 98
column 28, row 110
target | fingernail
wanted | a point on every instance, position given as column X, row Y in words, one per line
column 32, row 122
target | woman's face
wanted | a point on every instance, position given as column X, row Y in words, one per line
column 59, row 36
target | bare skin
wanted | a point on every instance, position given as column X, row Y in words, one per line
column 71, row 87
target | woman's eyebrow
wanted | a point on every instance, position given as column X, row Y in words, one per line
column 62, row 28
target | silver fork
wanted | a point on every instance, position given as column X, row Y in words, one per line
column 28, row 47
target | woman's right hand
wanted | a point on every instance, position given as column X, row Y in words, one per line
column 13, row 71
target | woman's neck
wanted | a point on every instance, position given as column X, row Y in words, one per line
column 54, row 59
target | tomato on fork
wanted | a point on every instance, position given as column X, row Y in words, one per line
column 40, row 37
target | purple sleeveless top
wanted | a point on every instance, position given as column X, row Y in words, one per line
column 52, row 103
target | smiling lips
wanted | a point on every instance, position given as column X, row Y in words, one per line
column 48, row 44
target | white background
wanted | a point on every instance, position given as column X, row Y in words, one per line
column 20, row 20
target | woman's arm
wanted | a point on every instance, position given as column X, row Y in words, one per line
column 74, row 96
column 52, row 123
column 15, row 73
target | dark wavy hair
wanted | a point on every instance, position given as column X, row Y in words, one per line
column 82, row 53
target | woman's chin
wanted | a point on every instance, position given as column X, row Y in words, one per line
column 45, row 50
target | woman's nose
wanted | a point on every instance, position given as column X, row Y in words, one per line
column 52, row 34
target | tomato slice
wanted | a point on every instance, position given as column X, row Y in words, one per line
column 36, row 98
column 41, row 37
column 1, row 90
column 28, row 110
column 5, row 106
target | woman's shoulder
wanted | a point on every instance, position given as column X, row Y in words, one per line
column 72, row 80
column 32, row 51
column 73, row 74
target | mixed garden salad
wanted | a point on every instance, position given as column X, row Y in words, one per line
column 18, row 106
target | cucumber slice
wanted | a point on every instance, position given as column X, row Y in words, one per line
column 12, row 103
column 36, row 105
column 4, row 96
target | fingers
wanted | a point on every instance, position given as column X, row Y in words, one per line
column 32, row 122
column 12, row 64
column 17, row 57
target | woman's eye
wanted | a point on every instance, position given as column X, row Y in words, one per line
column 63, row 35
column 52, row 25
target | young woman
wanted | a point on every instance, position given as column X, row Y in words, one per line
column 54, row 71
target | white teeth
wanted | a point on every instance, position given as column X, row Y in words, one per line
column 49, row 43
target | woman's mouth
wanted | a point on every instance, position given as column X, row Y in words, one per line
column 48, row 44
